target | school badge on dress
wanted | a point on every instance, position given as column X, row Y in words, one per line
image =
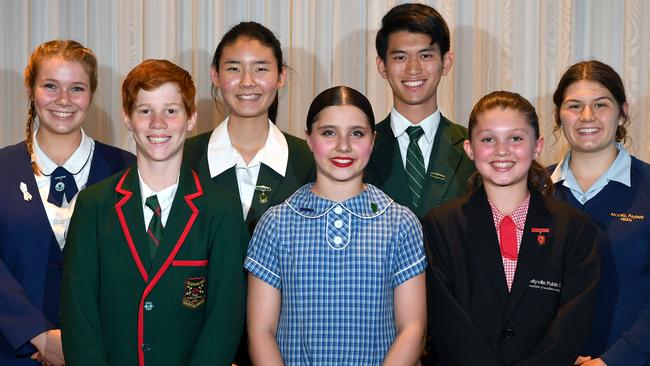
column 195, row 292
column 541, row 234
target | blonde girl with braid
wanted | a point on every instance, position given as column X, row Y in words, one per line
column 39, row 186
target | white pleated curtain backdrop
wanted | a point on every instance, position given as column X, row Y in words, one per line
column 517, row 45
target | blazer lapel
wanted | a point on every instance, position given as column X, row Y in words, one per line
column 392, row 175
column 534, row 249
column 182, row 216
column 268, row 181
column 443, row 163
column 484, row 240
column 129, row 213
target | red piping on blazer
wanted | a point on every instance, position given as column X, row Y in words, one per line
column 190, row 263
column 170, row 257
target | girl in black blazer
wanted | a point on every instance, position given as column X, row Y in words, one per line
column 512, row 272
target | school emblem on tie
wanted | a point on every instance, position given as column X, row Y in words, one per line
column 195, row 292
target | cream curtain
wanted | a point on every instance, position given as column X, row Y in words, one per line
column 523, row 46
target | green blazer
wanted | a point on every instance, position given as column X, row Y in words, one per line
column 301, row 169
column 183, row 307
column 447, row 172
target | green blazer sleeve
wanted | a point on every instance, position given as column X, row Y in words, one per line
column 222, row 328
column 82, row 333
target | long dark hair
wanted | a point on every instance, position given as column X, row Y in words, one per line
column 260, row 33
column 538, row 177
column 604, row 75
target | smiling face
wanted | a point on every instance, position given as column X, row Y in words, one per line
column 503, row 146
column 341, row 140
column 62, row 96
column 160, row 124
column 248, row 78
column 590, row 116
column 413, row 69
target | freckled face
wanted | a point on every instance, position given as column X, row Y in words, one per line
column 341, row 140
column 160, row 124
column 248, row 77
column 62, row 96
column 503, row 147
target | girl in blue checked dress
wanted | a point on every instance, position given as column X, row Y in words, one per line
column 336, row 271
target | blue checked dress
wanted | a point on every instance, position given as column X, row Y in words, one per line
column 336, row 266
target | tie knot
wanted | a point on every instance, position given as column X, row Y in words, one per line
column 415, row 132
column 507, row 222
column 153, row 204
column 60, row 171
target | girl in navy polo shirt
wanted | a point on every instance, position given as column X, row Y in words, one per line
column 601, row 178
column 336, row 271
column 512, row 271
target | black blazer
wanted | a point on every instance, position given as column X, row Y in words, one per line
column 446, row 175
column 544, row 319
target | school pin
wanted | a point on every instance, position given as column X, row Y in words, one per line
column 263, row 197
column 26, row 195
column 541, row 234
column 438, row 176
column 59, row 186
column 373, row 206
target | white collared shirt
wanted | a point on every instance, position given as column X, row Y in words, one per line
column 223, row 156
column 78, row 164
column 399, row 124
column 165, row 199
column 619, row 171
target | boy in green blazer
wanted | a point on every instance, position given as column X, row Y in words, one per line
column 418, row 156
column 153, row 263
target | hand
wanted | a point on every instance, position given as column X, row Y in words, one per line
column 588, row 361
column 582, row 359
column 50, row 350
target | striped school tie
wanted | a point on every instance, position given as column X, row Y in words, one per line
column 415, row 164
column 155, row 229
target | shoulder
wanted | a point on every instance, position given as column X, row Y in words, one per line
column 563, row 213
column 642, row 169
column 383, row 128
column 455, row 132
column 114, row 156
column 101, row 192
column 450, row 210
column 13, row 153
column 301, row 158
column 198, row 142
column 218, row 199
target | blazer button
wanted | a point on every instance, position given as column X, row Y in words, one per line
column 508, row 333
column 148, row 306
column 146, row 347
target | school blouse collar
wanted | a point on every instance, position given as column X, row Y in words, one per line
column 77, row 161
column 370, row 203
column 223, row 156
column 619, row 171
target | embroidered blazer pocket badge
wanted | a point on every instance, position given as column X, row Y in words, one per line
column 195, row 292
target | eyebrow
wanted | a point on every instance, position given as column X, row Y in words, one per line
column 596, row 99
column 57, row 81
column 431, row 48
column 257, row 62
column 338, row 127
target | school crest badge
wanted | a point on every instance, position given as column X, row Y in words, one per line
column 541, row 234
column 195, row 292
